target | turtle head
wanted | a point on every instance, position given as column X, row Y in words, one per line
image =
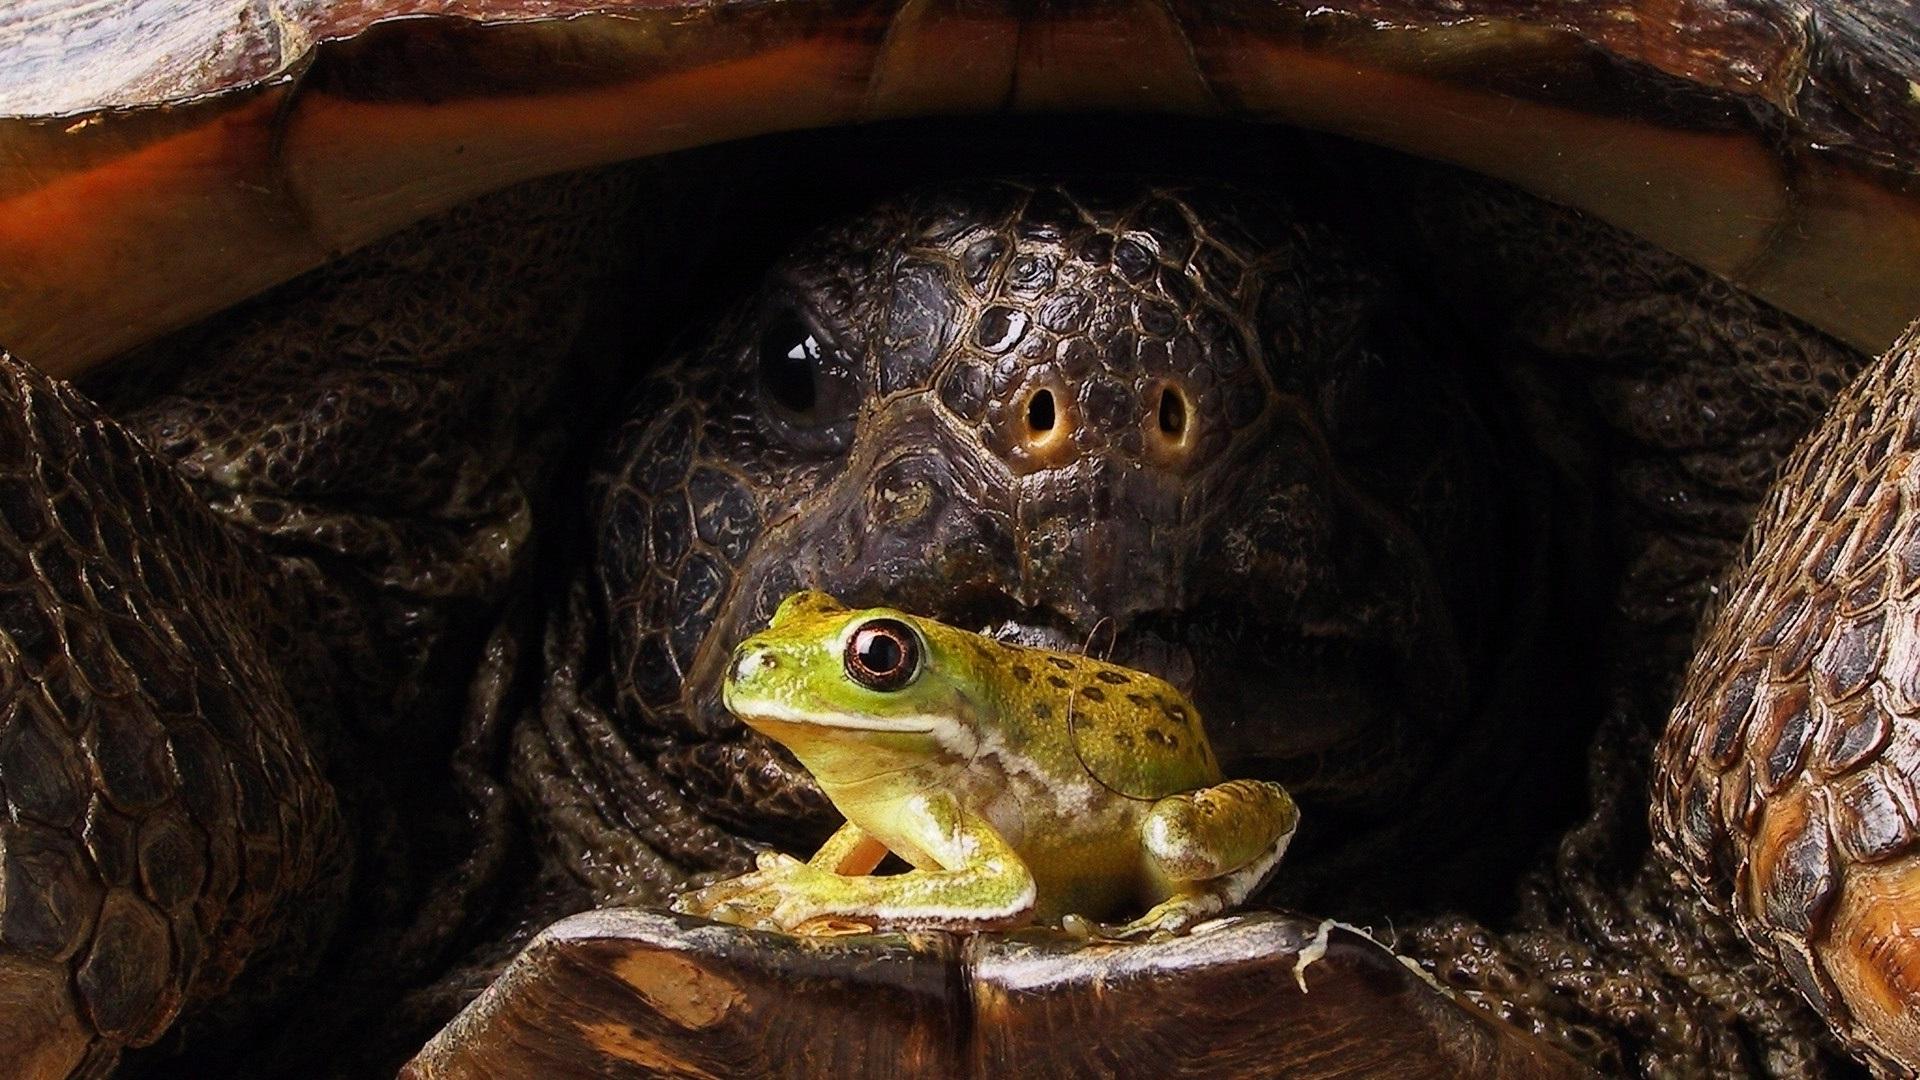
column 1185, row 427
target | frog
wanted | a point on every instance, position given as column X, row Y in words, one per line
column 1020, row 785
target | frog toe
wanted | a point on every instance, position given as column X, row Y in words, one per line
column 1140, row 930
column 791, row 914
column 775, row 862
column 747, row 908
column 1171, row 918
column 746, row 914
column 1143, row 930
column 717, row 900
column 698, row 903
column 1081, row 928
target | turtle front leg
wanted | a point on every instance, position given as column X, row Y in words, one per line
column 1787, row 785
column 165, row 824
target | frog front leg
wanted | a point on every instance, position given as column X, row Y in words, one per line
column 850, row 850
column 973, row 879
column 1213, row 848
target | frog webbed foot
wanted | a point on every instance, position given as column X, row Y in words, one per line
column 1169, row 918
column 779, row 893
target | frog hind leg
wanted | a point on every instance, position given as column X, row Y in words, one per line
column 1213, row 848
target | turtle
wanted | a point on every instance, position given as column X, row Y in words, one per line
column 1534, row 374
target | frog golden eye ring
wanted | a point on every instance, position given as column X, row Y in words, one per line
column 884, row 655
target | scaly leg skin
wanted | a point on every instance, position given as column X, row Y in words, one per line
column 379, row 430
column 1788, row 782
column 975, row 881
column 165, row 827
column 1620, row 964
column 1700, row 391
column 1785, row 791
column 1214, row 847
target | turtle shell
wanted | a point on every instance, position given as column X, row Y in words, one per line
column 162, row 159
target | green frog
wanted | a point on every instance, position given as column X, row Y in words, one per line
column 1021, row 785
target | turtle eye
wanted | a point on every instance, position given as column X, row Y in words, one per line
column 803, row 377
column 883, row 654
column 789, row 356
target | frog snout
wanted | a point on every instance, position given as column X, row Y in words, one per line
column 751, row 660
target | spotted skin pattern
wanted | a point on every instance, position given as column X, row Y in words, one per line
column 1021, row 784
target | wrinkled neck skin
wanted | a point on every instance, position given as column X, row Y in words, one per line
column 1191, row 429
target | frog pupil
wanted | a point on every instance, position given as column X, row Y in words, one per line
column 883, row 655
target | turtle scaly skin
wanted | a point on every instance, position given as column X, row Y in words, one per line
column 223, row 596
column 1788, row 780
column 168, row 825
column 1422, row 495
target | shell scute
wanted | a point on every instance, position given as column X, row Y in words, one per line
column 1870, row 824
column 1851, row 659
column 1852, row 736
column 1792, row 863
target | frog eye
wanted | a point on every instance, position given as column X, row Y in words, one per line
column 883, row 654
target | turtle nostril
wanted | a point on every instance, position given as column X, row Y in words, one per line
column 1169, row 423
column 1040, row 414
column 1038, row 430
column 1173, row 413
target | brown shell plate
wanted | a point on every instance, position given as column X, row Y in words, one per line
column 161, row 159
column 625, row 993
